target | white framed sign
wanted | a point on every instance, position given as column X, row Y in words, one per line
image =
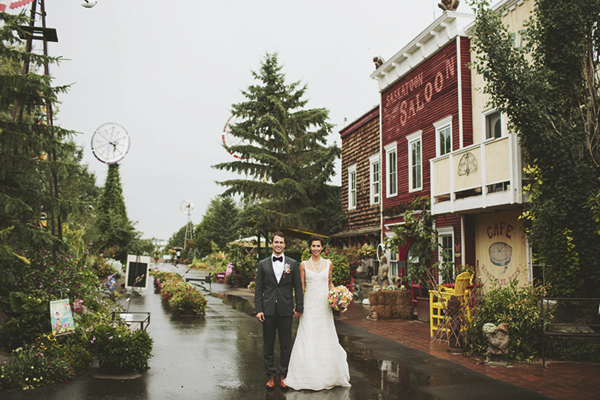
column 136, row 275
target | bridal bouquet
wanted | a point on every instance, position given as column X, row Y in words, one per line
column 339, row 298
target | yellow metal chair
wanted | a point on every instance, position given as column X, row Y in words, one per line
column 438, row 301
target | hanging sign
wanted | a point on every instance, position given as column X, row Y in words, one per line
column 61, row 317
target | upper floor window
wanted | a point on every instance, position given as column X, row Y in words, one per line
column 493, row 124
column 375, row 175
column 352, row 187
column 443, row 136
column 415, row 162
column 391, row 154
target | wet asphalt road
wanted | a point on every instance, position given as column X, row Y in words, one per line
column 218, row 356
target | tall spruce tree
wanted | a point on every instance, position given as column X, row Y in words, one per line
column 550, row 90
column 29, row 166
column 284, row 155
column 115, row 230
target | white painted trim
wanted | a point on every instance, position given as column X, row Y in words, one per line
column 460, row 103
column 438, row 125
column 352, row 169
column 390, row 148
column 462, row 240
column 412, row 138
column 372, row 160
column 439, row 33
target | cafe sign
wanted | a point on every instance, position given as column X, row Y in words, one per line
column 501, row 248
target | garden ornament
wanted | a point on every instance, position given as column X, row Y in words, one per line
column 498, row 339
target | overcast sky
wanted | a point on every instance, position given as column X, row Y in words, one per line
column 169, row 71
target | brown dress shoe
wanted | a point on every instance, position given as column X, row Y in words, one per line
column 281, row 384
column 271, row 383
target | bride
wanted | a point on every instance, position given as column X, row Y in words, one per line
column 318, row 361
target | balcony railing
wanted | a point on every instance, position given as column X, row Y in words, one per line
column 487, row 174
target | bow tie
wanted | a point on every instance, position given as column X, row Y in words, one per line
column 280, row 259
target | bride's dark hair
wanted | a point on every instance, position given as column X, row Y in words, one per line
column 316, row 238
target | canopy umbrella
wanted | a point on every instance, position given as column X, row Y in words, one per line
column 12, row 4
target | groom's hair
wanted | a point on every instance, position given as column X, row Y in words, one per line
column 280, row 234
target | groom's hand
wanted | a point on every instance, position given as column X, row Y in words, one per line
column 260, row 316
column 297, row 314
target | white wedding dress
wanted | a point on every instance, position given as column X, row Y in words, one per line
column 318, row 361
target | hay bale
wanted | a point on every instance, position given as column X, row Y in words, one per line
column 403, row 312
column 404, row 298
column 383, row 312
column 396, row 304
column 377, row 298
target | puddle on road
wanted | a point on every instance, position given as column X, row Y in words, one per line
column 236, row 302
column 387, row 375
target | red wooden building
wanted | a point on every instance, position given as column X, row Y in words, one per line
column 425, row 114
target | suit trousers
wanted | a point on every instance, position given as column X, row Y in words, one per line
column 277, row 324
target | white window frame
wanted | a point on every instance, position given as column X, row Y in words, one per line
column 484, row 120
column 393, row 263
column 374, row 179
column 441, row 125
column 412, row 139
column 352, row 189
column 444, row 232
column 391, row 182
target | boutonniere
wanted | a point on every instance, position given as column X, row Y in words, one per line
column 287, row 269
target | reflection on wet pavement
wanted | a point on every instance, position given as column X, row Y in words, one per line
column 219, row 356
column 236, row 302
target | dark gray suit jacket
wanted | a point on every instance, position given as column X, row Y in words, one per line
column 273, row 298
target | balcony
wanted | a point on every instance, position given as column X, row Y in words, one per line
column 483, row 175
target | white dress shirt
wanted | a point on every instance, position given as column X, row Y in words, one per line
column 278, row 267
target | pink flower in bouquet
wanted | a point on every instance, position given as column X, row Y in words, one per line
column 339, row 298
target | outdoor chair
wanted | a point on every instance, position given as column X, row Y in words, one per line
column 438, row 302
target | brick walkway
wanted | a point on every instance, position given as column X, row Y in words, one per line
column 559, row 380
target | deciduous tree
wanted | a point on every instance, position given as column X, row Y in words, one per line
column 549, row 89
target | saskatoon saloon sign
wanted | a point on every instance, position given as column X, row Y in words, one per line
column 421, row 88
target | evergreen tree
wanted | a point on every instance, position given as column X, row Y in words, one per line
column 115, row 230
column 177, row 239
column 550, row 91
column 284, row 154
column 221, row 222
column 29, row 146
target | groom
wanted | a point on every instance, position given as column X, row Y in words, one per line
column 276, row 277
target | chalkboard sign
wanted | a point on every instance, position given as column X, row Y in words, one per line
column 137, row 272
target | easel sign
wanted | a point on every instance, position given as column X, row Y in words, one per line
column 137, row 270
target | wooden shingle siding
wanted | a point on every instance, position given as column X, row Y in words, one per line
column 360, row 141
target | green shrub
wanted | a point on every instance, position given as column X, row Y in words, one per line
column 48, row 276
column 46, row 361
column 118, row 348
column 102, row 269
column 182, row 296
column 188, row 299
column 519, row 307
column 341, row 270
